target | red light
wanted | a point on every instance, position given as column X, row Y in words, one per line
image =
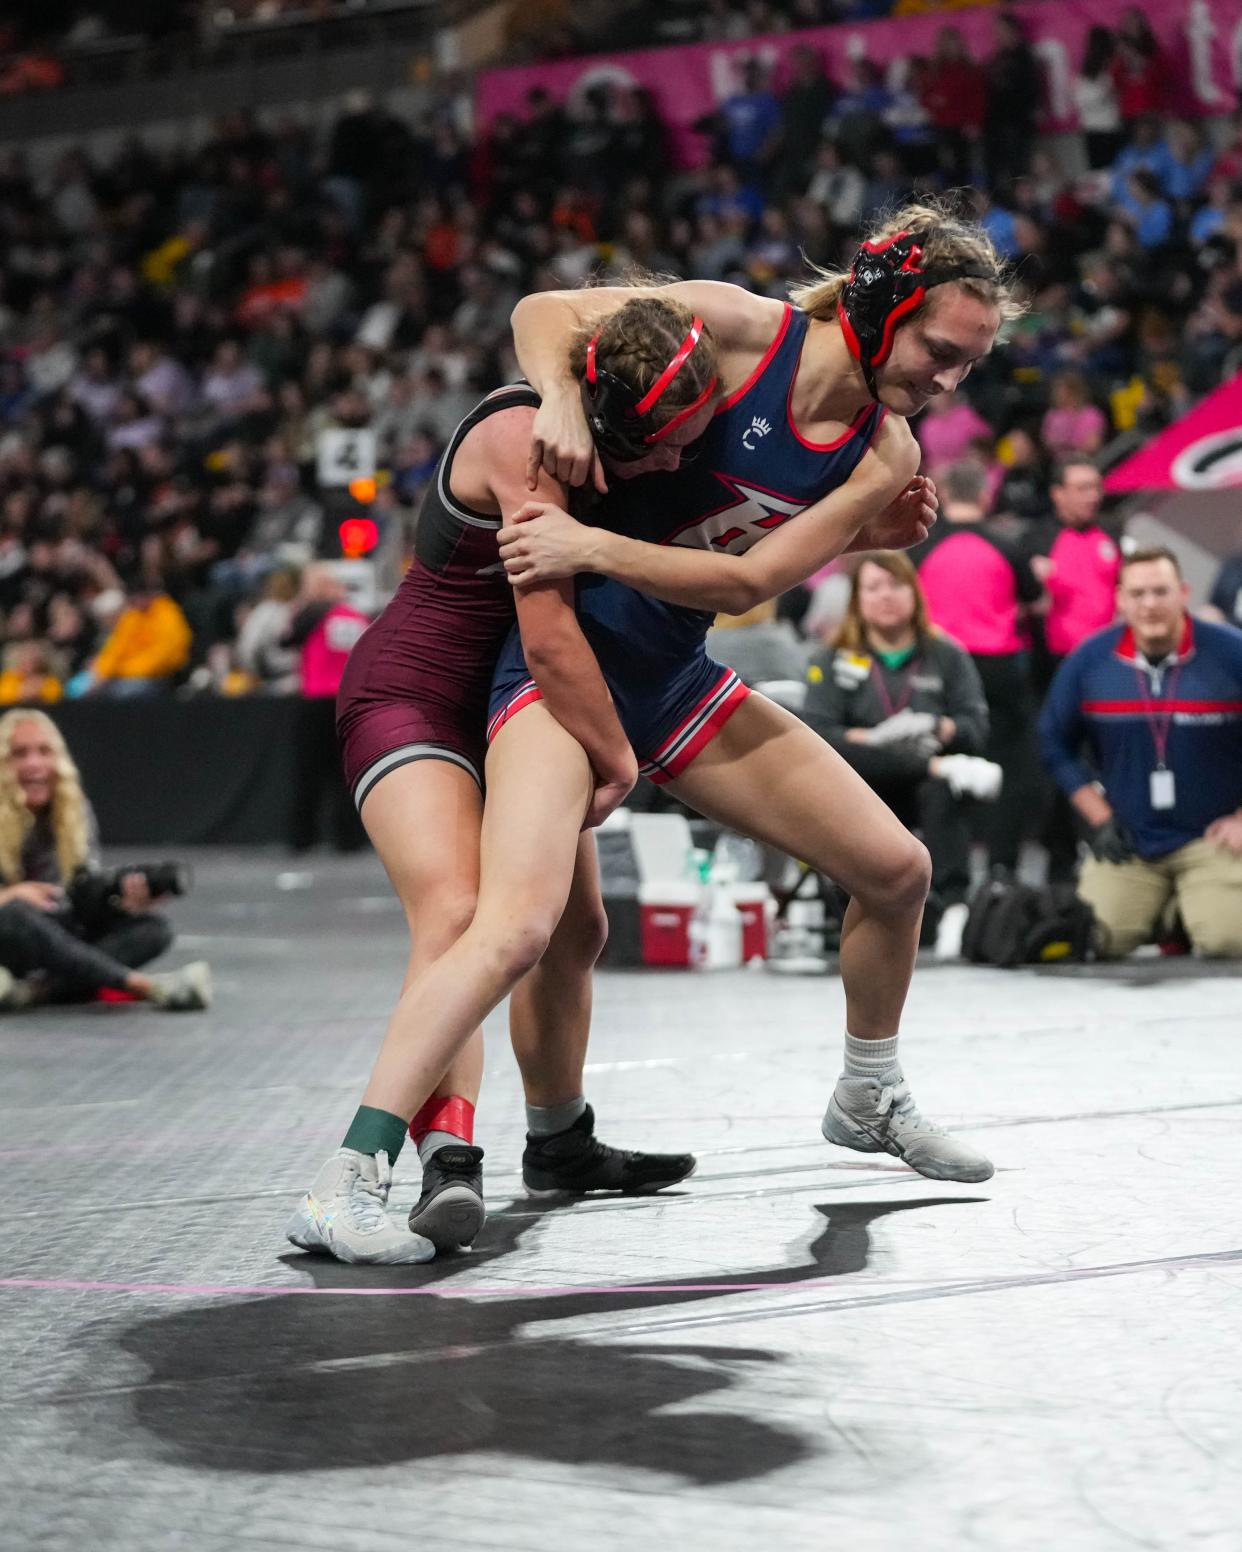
column 359, row 536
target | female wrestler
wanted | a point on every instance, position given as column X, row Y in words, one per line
column 411, row 717
column 803, row 433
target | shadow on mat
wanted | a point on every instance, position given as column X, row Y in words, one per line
column 302, row 1383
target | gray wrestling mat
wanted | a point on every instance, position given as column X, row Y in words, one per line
column 802, row 1349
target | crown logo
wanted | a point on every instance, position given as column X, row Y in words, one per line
column 757, row 428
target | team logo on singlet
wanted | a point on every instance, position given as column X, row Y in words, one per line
column 742, row 522
column 758, row 428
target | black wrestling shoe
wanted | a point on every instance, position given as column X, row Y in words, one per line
column 450, row 1211
column 574, row 1162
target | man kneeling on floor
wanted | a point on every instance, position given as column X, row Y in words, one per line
column 68, row 930
column 1158, row 702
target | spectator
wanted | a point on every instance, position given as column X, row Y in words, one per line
column 903, row 703
column 947, row 428
column 1013, row 93
column 1023, row 490
column 979, row 589
column 148, row 645
column 858, row 123
column 260, row 653
column 1079, row 564
column 1096, row 101
column 837, row 186
column 1072, row 423
column 1141, row 67
column 752, row 122
column 1076, row 560
column 757, row 646
column 1150, row 215
column 956, row 99
column 1225, row 599
column 58, row 942
column 324, row 629
column 804, row 105
column 1166, row 812
column 29, row 676
column 1189, row 165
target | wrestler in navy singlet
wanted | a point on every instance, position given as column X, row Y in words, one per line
column 416, row 684
column 751, row 471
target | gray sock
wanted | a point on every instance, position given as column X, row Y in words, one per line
column 869, row 1058
column 434, row 1140
column 547, row 1120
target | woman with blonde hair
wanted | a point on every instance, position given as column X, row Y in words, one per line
column 50, row 950
column 904, row 706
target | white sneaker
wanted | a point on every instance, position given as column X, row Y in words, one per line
column 343, row 1214
column 14, row 993
column 970, row 777
column 875, row 1117
column 187, row 990
column 949, row 932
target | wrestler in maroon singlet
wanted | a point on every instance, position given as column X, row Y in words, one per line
column 416, row 685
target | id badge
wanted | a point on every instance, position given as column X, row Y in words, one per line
column 1163, row 790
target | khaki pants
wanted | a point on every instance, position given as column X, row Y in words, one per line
column 1129, row 899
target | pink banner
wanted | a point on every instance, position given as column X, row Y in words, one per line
column 1203, row 451
column 1202, row 40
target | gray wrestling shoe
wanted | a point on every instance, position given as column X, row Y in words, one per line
column 343, row 1215
column 874, row 1117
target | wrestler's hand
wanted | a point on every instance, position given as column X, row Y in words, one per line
column 611, row 790
column 542, row 543
column 905, row 521
column 561, row 443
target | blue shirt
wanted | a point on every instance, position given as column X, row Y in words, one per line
column 1128, row 711
column 750, row 118
column 998, row 223
column 1154, row 158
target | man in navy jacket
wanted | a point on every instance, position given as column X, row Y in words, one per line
column 1158, row 701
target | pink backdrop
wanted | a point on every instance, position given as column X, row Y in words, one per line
column 1203, row 451
column 1203, row 43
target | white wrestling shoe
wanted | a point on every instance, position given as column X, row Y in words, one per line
column 343, row 1215
column 874, row 1117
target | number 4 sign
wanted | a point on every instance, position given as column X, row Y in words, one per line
column 345, row 456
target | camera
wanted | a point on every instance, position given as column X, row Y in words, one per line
column 93, row 894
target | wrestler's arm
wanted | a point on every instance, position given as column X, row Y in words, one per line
column 545, row 322
column 731, row 584
column 557, row 653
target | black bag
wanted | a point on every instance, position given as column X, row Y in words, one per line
column 1017, row 924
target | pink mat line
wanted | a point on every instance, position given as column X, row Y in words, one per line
column 199, row 1290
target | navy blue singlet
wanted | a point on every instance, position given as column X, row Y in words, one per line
column 751, row 471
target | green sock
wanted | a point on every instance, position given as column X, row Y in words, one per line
column 377, row 1131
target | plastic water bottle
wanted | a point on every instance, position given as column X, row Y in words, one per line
column 724, row 931
column 699, row 934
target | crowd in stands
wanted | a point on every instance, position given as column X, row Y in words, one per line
column 177, row 329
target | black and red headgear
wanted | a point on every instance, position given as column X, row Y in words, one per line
column 621, row 420
column 887, row 281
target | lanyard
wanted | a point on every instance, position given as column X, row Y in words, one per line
column 891, row 707
column 1158, row 721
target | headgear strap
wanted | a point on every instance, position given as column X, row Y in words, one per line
column 620, row 421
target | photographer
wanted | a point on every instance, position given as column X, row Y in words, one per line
column 902, row 702
column 68, row 929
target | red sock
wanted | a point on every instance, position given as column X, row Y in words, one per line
column 451, row 1114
